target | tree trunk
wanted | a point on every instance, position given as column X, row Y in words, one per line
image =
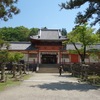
column 82, row 59
column 24, row 68
column 20, row 69
column 14, row 70
column 3, row 73
column 82, row 56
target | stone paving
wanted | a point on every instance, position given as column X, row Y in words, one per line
column 51, row 86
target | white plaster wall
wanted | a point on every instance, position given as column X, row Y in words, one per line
column 32, row 59
column 86, row 60
column 94, row 60
column 65, row 60
column 25, row 58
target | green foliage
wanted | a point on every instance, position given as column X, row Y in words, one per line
column 83, row 35
column 8, row 33
column 18, row 56
column 93, row 50
column 82, row 17
column 1, row 43
column 20, row 33
column 3, row 56
column 15, row 56
column 98, row 34
column 94, row 56
column 72, row 51
column 94, row 53
column 3, row 50
column 7, row 9
column 75, row 51
column 11, row 81
column 64, row 32
column 94, row 80
column 33, row 31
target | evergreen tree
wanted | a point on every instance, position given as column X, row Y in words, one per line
column 64, row 32
column 7, row 9
column 92, row 9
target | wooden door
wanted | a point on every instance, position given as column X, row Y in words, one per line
column 74, row 58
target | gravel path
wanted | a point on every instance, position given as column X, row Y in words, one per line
column 48, row 86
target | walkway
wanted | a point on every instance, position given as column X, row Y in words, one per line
column 51, row 87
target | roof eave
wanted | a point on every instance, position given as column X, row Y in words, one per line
column 60, row 39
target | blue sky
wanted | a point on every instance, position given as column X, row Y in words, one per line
column 43, row 13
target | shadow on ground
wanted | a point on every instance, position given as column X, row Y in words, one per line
column 63, row 75
column 65, row 86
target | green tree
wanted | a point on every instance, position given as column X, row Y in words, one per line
column 82, row 17
column 64, row 32
column 98, row 33
column 14, row 58
column 20, row 33
column 8, row 33
column 8, row 9
column 83, row 35
column 33, row 31
column 94, row 55
column 3, row 61
column 3, row 56
column 3, row 44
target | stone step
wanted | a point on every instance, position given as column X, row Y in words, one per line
column 48, row 68
column 49, row 65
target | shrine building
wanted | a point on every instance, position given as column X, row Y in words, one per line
column 44, row 48
column 47, row 48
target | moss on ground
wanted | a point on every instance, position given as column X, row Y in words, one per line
column 13, row 81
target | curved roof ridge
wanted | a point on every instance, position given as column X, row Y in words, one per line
column 49, row 34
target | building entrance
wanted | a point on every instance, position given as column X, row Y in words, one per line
column 49, row 59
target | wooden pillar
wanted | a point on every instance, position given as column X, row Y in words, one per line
column 38, row 57
column 60, row 57
column 28, row 58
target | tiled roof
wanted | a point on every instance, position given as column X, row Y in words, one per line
column 29, row 46
column 79, row 46
column 71, row 46
column 21, row 46
column 96, row 46
column 49, row 34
